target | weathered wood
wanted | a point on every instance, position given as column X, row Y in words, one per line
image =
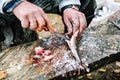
column 98, row 46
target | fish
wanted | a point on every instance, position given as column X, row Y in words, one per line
column 73, row 47
column 71, row 42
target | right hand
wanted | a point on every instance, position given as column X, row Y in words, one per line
column 32, row 16
column 74, row 20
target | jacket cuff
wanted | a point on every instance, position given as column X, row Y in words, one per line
column 2, row 3
column 11, row 5
column 64, row 3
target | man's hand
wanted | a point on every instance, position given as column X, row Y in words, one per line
column 32, row 16
column 74, row 20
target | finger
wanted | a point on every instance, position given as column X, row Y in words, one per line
column 75, row 23
column 81, row 26
column 45, row 28
column 24, row 22
column 82, row 22
column 49, row 25
column 40, row 19
column 33, row 22
column 51, row 29
column 68, row 25
column 39, row 28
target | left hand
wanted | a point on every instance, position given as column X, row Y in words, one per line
column 74, row 20
column 32, row 17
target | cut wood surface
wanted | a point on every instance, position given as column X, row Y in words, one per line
column 98, row 46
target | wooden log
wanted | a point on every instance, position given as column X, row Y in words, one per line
column 98, row 46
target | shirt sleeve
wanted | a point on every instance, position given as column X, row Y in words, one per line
column 2, row 4
column 63, row 3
